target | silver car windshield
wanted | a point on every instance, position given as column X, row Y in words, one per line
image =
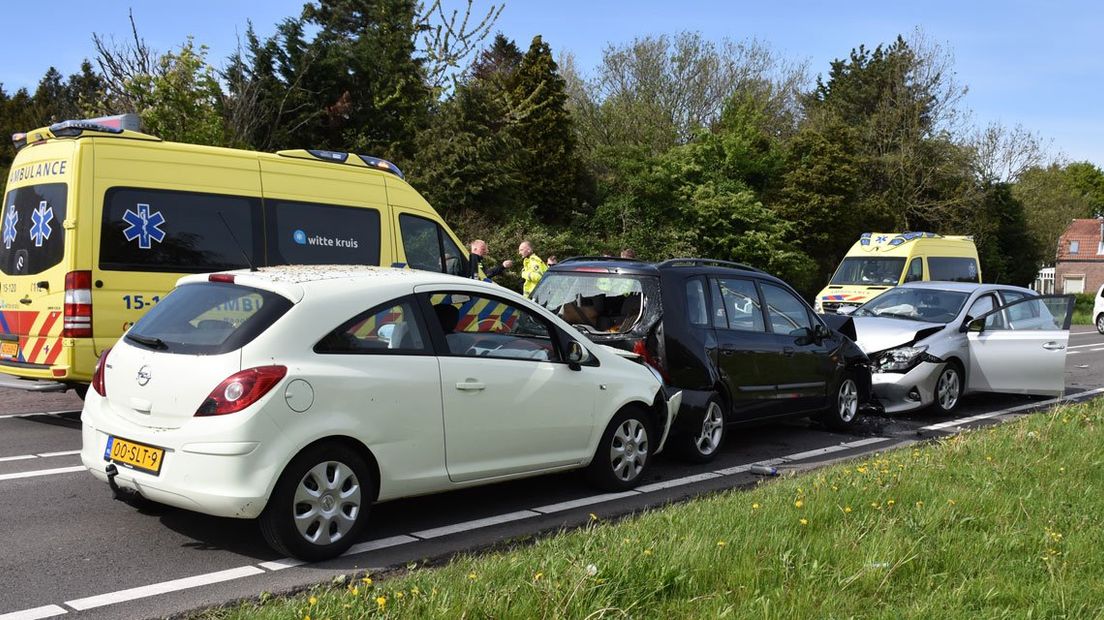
column 915, row 304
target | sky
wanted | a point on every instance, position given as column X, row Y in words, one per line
column 1037, row 64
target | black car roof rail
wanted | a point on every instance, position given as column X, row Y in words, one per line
column 703, row 262
column 599, row 258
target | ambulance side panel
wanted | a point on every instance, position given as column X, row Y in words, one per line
column 159, row 213
column 324, row 214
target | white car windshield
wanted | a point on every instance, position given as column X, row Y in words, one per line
column 915, row 304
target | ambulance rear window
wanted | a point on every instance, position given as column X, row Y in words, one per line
column 33, row 235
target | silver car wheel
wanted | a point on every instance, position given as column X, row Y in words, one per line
column 1100, row 323
column 948, row 389
column 848, row 400
column 712, row 430
column 327, row 503
column 629, row 450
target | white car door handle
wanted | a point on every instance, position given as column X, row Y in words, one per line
column 1053, row 346
column 470, row 386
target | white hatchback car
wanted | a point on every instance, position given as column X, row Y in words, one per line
column 1098, row 310
column 301, row 395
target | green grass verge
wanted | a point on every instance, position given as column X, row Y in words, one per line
column 994, row 523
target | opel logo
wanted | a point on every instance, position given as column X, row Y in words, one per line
column 144, row 375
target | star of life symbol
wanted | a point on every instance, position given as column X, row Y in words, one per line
column 40, row 223
column 9, row 226
column 881, row 239
column 144, row 226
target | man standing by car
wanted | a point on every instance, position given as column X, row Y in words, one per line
column 478, row 251
column 532, row 268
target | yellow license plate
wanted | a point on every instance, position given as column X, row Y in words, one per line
column 135, row 455
column 9, row 350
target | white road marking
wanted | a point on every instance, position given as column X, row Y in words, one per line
column 1082, row 346
column 677, row 482
column 27, row 415
column 281, row 564
column 993, row 414
column 474, row 525
column 42, row 472
column 585, row 501
column 382, row 543
column 164, row 587
column 866, row 442
column 46, row 611
column 46, row 455
column 21, row 457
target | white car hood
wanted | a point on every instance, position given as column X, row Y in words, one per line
column 874, row 334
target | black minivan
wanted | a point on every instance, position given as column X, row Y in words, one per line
column 741, row 344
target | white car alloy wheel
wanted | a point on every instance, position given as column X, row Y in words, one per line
column 327, row 503
column 948, row 388
column 712, row 430
column 1100, row 323
column 629, row 450
column 847, row 400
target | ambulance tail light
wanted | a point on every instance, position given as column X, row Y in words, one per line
column 240, row 390
column 98, row 376
column 77, row 318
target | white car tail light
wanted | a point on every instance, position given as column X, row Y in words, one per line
column 98, row 375
column 240, row 390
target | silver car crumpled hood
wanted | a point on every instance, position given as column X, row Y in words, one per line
column 876, row 334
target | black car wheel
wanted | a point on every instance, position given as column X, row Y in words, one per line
column 319, row 505
column 704, row 443
column 624, row 453
column 843, row 410
column 948, row 388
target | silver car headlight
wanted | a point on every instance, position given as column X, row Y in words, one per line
column 903, row 359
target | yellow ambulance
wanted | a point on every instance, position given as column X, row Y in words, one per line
column 100, row 220
column 879, row 261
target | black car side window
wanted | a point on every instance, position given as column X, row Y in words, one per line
column 787, row 313
column 737, row 305
column 697, row 312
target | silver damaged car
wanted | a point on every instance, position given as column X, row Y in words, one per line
column 930, row 343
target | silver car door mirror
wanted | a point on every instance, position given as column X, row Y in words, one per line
column 576, row 355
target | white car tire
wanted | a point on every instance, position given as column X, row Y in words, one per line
column 320, row 504
column 624, row 453
column 948, row 388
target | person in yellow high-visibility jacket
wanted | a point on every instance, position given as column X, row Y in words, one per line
column 532, row 268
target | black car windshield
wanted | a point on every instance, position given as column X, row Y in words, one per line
column 208, row 318
column 915, row 304
column 594, row 302
column 869, row 271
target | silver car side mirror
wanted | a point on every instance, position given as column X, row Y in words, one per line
column 976, row 325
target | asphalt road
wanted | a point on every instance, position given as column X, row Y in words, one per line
column 68, row 549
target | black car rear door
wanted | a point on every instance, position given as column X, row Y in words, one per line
column 744, row 346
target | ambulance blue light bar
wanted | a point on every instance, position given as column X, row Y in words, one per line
column 382, row 164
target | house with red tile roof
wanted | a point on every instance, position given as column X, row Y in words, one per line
column 1079, row 265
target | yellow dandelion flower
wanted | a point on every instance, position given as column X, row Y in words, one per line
column 381, row 601
column 755, row 506
column 353, row 591
column 313, row 601
column 890, row 503
column 804, row 521
column 415, row 591
column 367, row 581
column 919, row 504
column 593, row 517
column 473, row 576
column 538, row 576
column 799, row 504
column 847, row 509
column 647, row 552
column 306, row 617
column 720, row 543
column 400, row 594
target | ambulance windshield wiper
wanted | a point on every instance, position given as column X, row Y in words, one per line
column 153, row 343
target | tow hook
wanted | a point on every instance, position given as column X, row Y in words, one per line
column 117, row 491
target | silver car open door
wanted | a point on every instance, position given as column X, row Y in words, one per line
column 1021, row 347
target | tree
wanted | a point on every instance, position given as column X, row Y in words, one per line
column 182, row 99
column 550, row 172
column 1008, row 253
column 1050, row 203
